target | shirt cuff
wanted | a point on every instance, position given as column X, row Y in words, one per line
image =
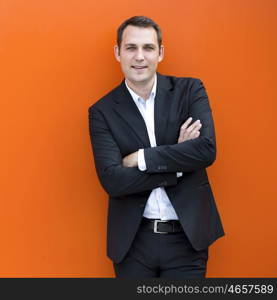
column 179, row 174
column 141, row 160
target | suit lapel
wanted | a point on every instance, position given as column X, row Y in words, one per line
column 162, row 108
column 127, row 109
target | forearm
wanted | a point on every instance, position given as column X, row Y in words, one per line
column 192, row 154
column 120, row 181
column 183, row 157
column 115, row 178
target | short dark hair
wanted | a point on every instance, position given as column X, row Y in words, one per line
column 139, row 21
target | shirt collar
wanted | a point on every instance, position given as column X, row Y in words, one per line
column 136, row 97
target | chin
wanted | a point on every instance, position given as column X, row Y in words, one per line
column 140, row 78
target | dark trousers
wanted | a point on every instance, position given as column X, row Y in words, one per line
column 162, row 255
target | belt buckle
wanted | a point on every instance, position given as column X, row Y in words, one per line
column 156, row 226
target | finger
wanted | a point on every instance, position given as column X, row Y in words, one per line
column 192, row 136
column 191, row 133
column 195, row 134
column 193, row 126
column 196, row 128
column 181, row 136
column 186, row 123
column 191, row 130
column 185, row 132
column 183, row 129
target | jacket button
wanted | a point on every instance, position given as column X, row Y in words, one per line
column 162, row 167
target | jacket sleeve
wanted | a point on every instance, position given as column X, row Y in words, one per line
column 192, row 154
column 116, row 179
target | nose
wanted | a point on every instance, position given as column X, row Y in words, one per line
column 139, row 56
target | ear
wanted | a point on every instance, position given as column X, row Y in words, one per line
column 161, row 53
column 116, row 53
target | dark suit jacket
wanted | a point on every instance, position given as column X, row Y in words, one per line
column 118, row 129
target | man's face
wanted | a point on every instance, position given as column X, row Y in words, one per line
column 139, row 54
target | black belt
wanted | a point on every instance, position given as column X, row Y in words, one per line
column 160, row 226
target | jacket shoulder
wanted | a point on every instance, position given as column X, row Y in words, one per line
column 182, row 81
column 105, row 101
column 183, row 84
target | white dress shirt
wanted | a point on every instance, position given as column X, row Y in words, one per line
column 158, row 205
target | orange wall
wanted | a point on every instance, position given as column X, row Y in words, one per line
column 56, row 59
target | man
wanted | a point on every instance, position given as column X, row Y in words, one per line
column 152, row 138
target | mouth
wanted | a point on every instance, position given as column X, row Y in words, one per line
column 139, row 67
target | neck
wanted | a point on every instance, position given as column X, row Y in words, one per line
column 142, row 89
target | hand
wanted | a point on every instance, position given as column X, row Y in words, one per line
column 131, row 160
column 191, row 132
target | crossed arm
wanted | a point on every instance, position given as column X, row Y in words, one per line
column 186, row 133
column 120, row 176
column 193, row 150
column 116, row 179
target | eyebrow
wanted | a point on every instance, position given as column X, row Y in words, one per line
column 130, row 44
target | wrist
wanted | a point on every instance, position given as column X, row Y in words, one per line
column 136, row 159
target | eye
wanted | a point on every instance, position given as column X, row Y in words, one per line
column 131, row 48
column 149, row 48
